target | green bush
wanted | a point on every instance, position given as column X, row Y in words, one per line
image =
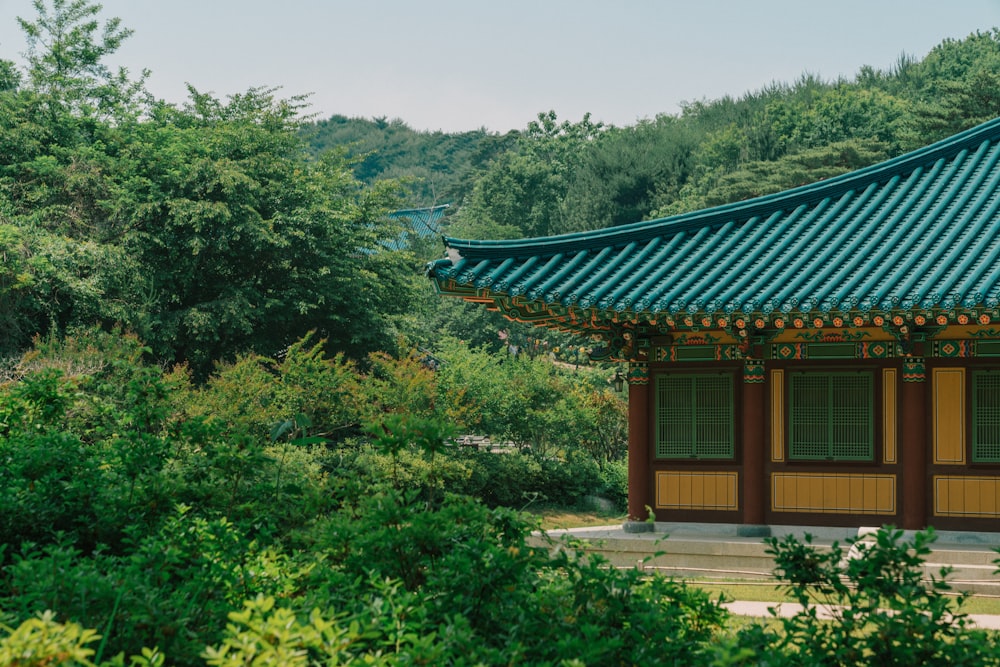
column 614, row 479
column 882, row 611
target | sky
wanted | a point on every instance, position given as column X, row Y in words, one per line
column 457, row 65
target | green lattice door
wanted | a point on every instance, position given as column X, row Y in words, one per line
column 831, row 416
column 694, row 416
column 986, row 416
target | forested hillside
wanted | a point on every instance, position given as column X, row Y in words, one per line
column 231, row 407
column 559, row 176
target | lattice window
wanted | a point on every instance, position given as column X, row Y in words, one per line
column 694, row 416
column 986, row 416
column 831, row 416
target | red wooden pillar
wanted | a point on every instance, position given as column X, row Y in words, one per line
column 639, row 474
column 754, row 452
column 913, row 443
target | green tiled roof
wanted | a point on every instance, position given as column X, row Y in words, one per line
column 916, row 234
column 420, row 223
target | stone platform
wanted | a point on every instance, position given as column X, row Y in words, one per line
column 736, row 552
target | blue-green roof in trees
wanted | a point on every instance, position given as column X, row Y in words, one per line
column 916, row 235
column 420, row 223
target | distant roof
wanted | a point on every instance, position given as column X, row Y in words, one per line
column 421, row 223
column 918, row 234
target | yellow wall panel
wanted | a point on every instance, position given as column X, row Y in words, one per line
column 684, row 482
column 958, row 495
column 857, row 489
column 988, row 499
column 971, row 494
column 833, row 493
column 708, row 493
column 944, row 488
column 870, row 492
column 885, row 490
column 778, row 492
column 889, row 415
column 843, row 490
column 949, row 415
column 829, row 489
column 697, row 490
column 668, row 495
column 777, row 415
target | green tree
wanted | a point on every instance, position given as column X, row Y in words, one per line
column 206, row 229
column 523, row 191
column 66, row 49
column 621, row 172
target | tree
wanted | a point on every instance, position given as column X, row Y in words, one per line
column 206, row 229
column 623, row 169
column 65, row 59
column 246, row 245
column 523, row 191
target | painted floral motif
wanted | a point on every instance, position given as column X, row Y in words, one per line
column 898, row 320
column 963, row 319
column 818, row 322
column 858, row 321
column 942, row 320
column 798, row 323
column 838, row 321
column 878, row 320
column 920, row 320
column 984, row 319
column 779, row 323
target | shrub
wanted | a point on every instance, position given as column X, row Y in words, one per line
column 882, row 611
column 614, row 479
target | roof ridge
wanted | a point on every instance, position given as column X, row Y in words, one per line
column 742, row 210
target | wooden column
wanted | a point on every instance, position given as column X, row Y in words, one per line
column 639, row 474
column 913, row 443
column 754, row 451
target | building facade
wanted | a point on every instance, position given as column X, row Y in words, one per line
column 828, row 355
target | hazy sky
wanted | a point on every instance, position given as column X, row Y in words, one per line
column 457, row 65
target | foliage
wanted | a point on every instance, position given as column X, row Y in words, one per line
column 206, row 229
column 523, row 192
column 880, row 609
column 65, row 57
column 261, row 634
column 624, row 171
column 531, row 402
column 141, row 507
column 42, row 641
column 255, row 394
column 436, row 167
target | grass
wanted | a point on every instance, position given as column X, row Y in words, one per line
column 554, row 518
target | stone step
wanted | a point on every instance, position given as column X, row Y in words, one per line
column 721, row 552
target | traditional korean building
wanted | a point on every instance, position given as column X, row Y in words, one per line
column 828, row 355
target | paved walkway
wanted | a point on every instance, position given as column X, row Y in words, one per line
column 789, row 609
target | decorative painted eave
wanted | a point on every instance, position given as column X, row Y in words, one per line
column 915, row 239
